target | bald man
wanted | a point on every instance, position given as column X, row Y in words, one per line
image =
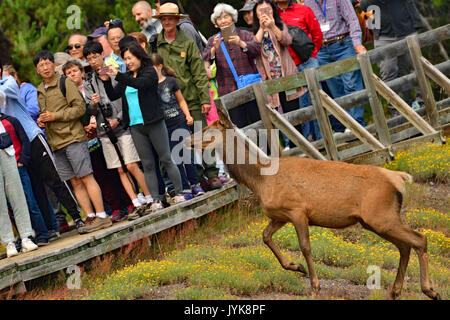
column 143, row 14
column 75, row 45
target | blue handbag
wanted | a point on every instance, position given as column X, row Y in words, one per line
column 244, row 80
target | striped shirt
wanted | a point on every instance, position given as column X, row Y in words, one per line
column 341, row 17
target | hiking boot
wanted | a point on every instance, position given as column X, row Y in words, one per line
column 53, row 235
column 156, row 205
column 95, row 224
column 197, row 190
column 11, row 250
column 28, row 245
column 63, row 225
column 136, row 213
column 119, row 215
column 214, row 183
column 179, row 198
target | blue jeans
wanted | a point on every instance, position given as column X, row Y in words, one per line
column 311, row 127
column 344, row 84
column 188, row 171
column 37, row 221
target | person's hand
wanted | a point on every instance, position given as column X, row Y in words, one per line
column 40, row 123
column 263, row 20
column 269, row 23
column 205, row 108
column 95, row 99
column 102, row 76
column 235, row 39
column 360, row 49
column 19, row 164
column 209, row 73
column 47, row 116
column 189, row 120
column 112, row 71
column 113, row 123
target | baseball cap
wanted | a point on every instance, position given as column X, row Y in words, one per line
column 98, row 32
column 248, row 6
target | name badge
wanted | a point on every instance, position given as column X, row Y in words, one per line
column 183, row 54
column 325, row 27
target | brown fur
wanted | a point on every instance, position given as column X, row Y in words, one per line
column 329, row 194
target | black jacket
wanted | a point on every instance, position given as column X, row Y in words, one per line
column 399, row 18
column 147, row 84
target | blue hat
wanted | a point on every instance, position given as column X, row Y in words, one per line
column 98, row 32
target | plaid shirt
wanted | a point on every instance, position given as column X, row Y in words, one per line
column 244, row 62
column 341, row 16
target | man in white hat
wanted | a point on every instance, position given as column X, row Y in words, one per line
column 181, row 54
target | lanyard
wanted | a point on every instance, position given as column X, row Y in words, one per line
column 324, row 9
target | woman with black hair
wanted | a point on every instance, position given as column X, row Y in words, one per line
column 143, row 114
column 275, row 60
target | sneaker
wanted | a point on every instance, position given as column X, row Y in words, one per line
column 179, row 198
column 63, row 226
column 79, row 223
column 95, row 224
column 225, row 178
column 42, row 242
column 53, row 235
column 156, row 205
column 214, row 183
column 141, row 198
column 11, row 250
column 28, row 245
column 188, row 195
column 119, row 215
column 197, row 190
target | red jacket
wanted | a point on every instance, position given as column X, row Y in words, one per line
column 302, row 16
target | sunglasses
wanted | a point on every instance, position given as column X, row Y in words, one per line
column 76, row 46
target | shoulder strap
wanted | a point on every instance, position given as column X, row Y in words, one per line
column 230, row 63
column 62, row 85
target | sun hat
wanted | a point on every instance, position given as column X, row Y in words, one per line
column 169, row 9
column 248, row 6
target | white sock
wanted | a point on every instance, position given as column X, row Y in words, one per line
column 149, row 199
column 101, row 214
column 136, row 202
column 91, row 215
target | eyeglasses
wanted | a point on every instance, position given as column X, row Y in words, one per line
column 76, row 46
column 94, row 57
column 44, row 64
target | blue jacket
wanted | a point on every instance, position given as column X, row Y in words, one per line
column 15, row 107
column 28, row 92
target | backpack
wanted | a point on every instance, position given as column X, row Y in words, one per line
column 85, row 119
column 301, row 43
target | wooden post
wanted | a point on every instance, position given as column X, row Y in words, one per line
column 348, row 121
column 322, row 117
column 436, row 75
column 262, row 101
column 402, row 107
column 424, row 84
column 377, row 109
column 290, row 131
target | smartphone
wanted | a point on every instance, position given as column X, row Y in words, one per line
column 104, row 70
column 227, row 32
column 267, row 11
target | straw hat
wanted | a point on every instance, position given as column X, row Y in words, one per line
column 169, row 9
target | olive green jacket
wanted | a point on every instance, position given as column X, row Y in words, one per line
column 183, row 56
column 67, row 127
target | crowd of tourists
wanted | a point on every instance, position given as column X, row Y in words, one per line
column 93, row 144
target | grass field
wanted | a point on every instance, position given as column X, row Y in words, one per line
column 222, row 256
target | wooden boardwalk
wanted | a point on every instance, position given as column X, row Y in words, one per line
column 73, row 248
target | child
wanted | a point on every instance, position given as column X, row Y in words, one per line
column 177, row 116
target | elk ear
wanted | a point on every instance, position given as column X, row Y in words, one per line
column 224, row 117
